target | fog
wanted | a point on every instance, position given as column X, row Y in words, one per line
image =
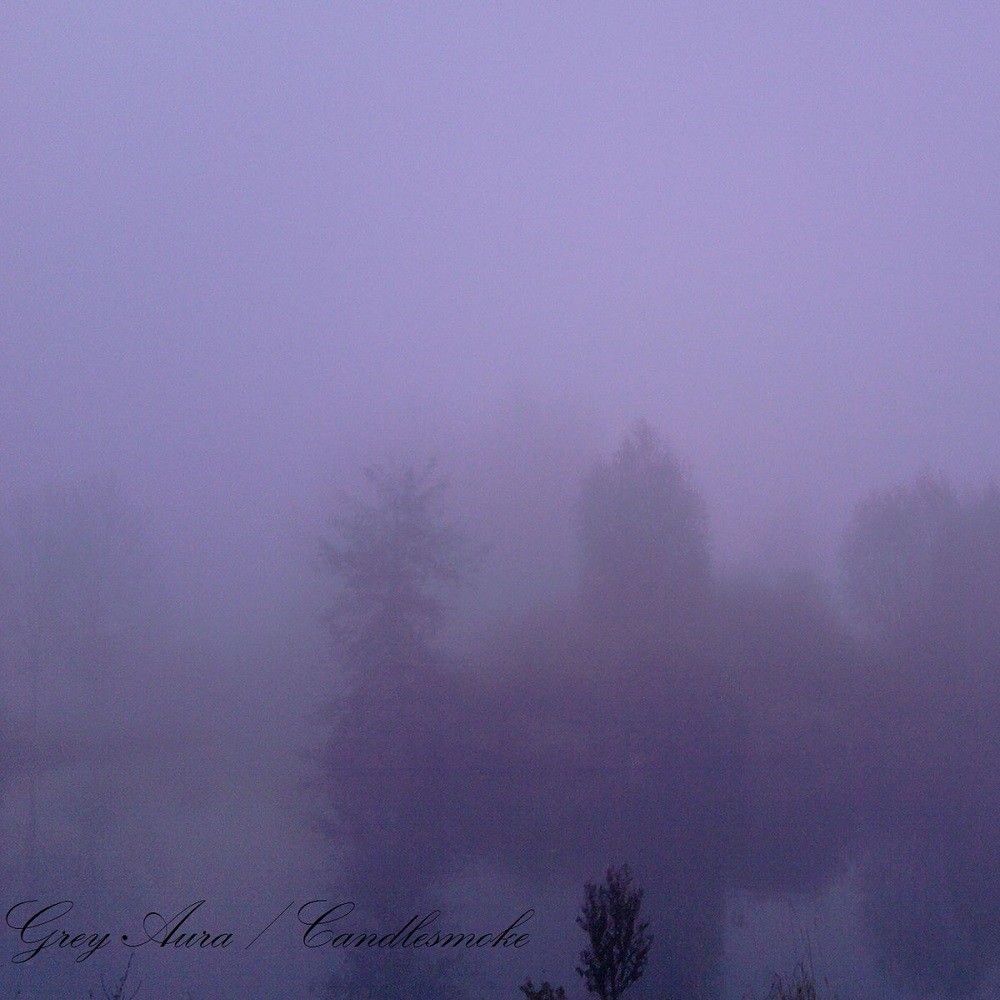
column 667, row 336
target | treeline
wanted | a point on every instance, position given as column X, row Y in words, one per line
column 723, row 732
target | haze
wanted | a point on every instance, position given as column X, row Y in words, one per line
column 253, row 249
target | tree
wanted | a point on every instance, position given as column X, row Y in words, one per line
column 643, row 528
column 619, row 944
column 76, row 586
column 77, row 556
column 893, row 551
column 76, row 574
column 394, row 556
column 922, row 568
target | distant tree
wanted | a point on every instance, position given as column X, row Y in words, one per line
column 969, row 573
column 76, row 576
column 894, row 549
column 794, row 681
column 394, row 556
column 649, row 631
column 76, row 562
column 76, row 555
column 922, row 572
column 619, row 944
column 643, row 528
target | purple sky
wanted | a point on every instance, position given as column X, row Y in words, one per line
column 251, row 246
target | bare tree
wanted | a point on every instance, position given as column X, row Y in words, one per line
column 619, row 944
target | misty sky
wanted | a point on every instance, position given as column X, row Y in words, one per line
column 249, row 247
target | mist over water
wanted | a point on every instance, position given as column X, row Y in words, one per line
column 748, row 646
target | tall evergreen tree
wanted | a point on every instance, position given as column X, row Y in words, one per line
column 394, row 556
column 643, row 531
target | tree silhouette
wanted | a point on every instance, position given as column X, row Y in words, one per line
column 922, row 569
column 393, row 556
column 643, row 531
column 76, row 599
column 76, row 556
column 892, row 553
column 619, row 944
